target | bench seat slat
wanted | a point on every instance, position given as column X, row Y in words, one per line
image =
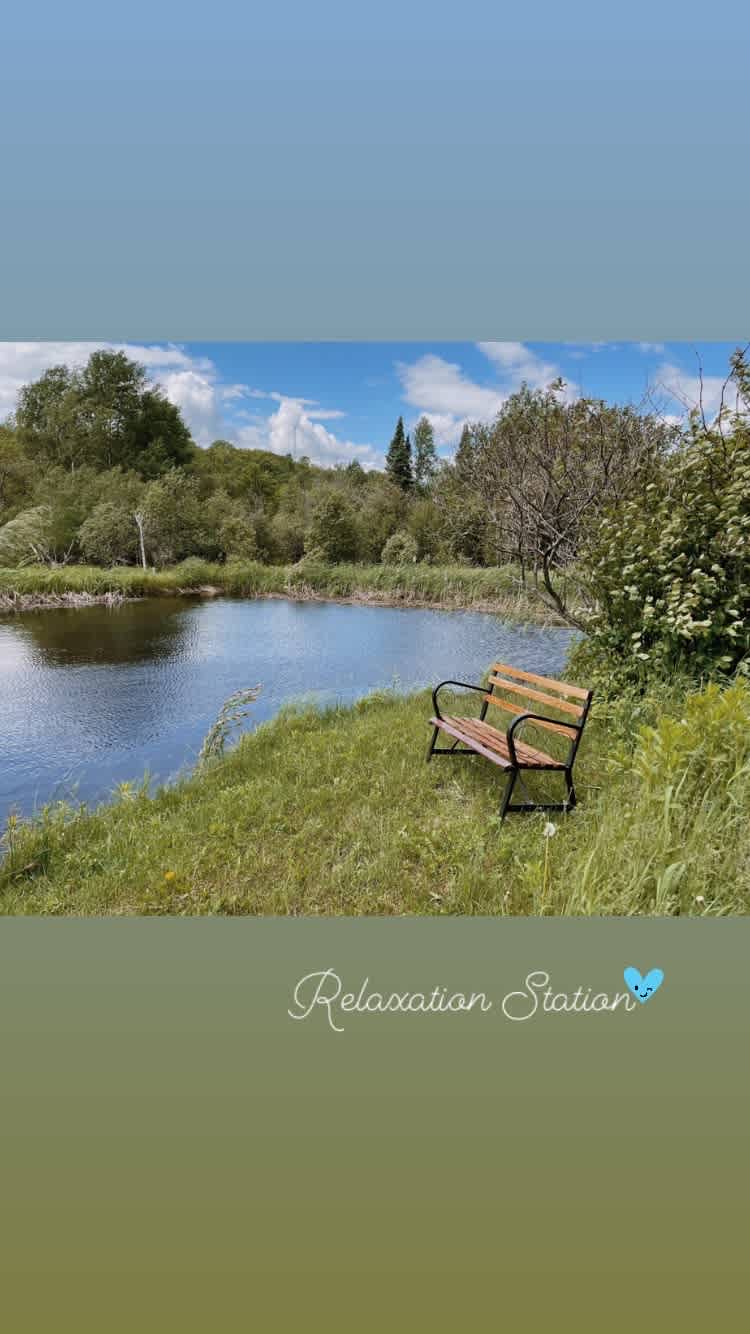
column 487, row 741
column 562, row 686
column 450, row 726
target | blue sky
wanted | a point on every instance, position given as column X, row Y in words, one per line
column 336, row 402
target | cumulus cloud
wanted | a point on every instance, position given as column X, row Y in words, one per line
column 678, row 392
column 296, row 428
column 519, row 363
column 443, row 392
column 211, row 408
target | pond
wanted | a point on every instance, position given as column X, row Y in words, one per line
column 94, row 697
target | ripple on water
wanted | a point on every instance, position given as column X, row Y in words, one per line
column 97, row 696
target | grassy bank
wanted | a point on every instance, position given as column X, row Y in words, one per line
column 338, row 813
column 495, row 590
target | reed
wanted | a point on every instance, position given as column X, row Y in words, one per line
column 497, row 590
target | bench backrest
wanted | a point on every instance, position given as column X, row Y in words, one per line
column 543, row 694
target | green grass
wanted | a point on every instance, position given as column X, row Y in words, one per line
column 338, row 813
column 494, row 589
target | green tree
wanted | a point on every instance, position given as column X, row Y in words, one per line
column 287, row 537
column 25, row 540
column 105, row 415
column 425, row 457
column 400, row 549
column 171, row 515
column 398, row 459
column 228, row 530
column 16, row 474
column 381, row 510
column 464, row 456
column 69, row 497
column 49, row 421
column 427, row 528
column 109, row 535
column 333, row 529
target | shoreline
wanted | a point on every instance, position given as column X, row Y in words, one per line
column 248, row 835
column 512, row 608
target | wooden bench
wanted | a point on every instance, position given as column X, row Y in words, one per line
column 507, row 686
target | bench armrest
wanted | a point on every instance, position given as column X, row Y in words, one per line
column 465, row 685
column 526, row 718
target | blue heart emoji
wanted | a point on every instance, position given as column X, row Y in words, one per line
column 643, row 987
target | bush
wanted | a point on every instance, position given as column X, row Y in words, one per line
column 333, row 531
column 401, row 549
column 236, row 536
column 668, row 568
column 25, row 540
column 109, row 535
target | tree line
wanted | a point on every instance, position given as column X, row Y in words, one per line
column 97, row 466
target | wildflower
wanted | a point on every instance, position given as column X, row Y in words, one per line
column 549, row 830
column 699, row 898
column 170, row 875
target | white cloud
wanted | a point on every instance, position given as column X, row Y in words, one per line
column 520, row 363
column 651, row 349
column 291, row 429
column 210, row 408
column 676, row 388
column 445, row 394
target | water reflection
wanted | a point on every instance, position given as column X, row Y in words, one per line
column 96, row 696
column 132, row 632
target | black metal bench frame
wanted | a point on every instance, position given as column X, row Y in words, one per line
column 514, row 764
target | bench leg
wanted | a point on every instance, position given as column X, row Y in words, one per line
column 508, row 793
column 431, row 747
column 571, row 798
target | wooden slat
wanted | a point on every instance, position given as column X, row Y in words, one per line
column 537, row 695
column 490, row 737
column 548, row 725
column 475, row 745
column 563, row 686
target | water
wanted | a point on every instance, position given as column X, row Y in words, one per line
column 92, row 697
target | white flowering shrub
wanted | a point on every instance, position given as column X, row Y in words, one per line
column 668, row 567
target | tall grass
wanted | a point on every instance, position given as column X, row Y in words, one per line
column 338, row 813
column 497, row 589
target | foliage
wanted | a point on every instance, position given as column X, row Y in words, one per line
column 543, row 472
column 425, row 457
column 398, row 464
column 425, row 526
column 24, row 540
column 668, row 567
column 400, row 549
column 109, row 534
column 16, row 474
column 104, row 415
column 333, row 530
column 172, row 518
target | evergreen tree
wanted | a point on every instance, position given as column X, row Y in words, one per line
column 398, row 458
column 464, row 454
column 425, row 458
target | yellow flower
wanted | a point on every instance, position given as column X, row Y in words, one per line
column 170, row 875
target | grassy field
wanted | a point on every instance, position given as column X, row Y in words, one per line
column 497, row 590
column 338, row 813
